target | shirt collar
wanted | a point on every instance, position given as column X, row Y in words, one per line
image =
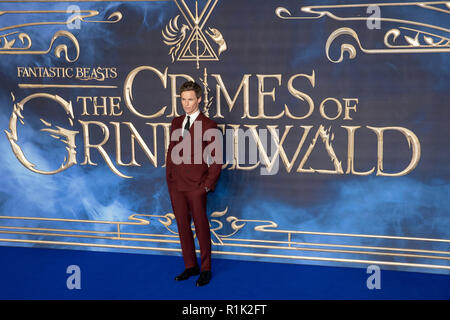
column 193, row 116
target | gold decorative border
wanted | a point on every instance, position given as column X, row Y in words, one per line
column 113, row 235
column 415, row 40
column 8, row 46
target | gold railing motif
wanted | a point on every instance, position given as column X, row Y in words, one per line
column 158, row 233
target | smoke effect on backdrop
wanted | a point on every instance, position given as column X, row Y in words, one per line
column 346, row 107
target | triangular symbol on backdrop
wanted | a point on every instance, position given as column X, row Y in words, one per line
column 197, row 48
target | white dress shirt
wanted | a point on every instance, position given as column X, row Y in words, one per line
column 192, row 118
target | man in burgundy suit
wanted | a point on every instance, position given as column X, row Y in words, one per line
column 190, row 175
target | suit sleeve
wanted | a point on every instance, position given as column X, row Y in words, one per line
column 169, row 163
column 215, row 166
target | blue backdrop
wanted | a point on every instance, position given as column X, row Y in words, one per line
column 352, row 98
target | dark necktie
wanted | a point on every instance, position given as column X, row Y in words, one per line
column 187, row 125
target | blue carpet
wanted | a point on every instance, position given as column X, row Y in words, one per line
column 37, row 273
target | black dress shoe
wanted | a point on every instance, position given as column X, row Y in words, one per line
column 205, row 277
column 187, row 273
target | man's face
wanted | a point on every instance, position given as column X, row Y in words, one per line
column 189, row 101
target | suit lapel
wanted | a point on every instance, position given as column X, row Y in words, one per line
column 199, row 118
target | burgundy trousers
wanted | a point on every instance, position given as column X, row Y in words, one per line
column 188, row 206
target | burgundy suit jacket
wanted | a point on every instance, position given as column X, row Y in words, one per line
column 191, row 176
